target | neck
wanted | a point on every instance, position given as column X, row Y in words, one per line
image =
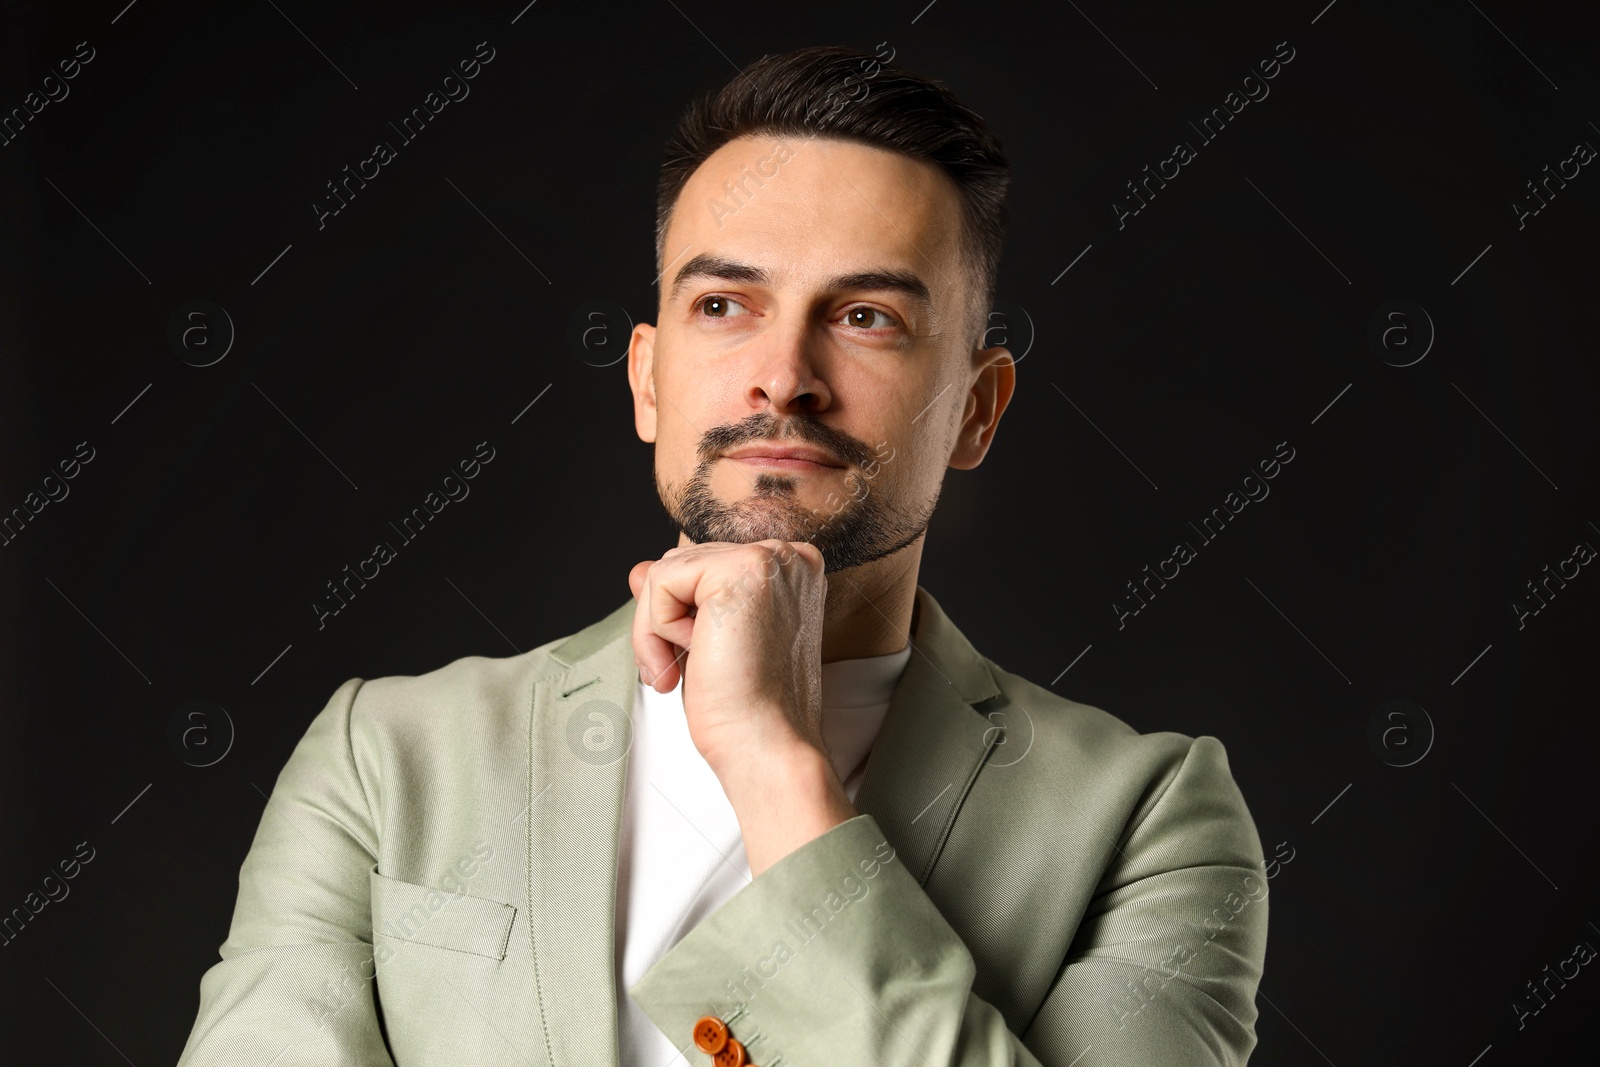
column 870, row 610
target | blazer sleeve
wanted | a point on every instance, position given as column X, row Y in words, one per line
column 294, row 986
column 835, row 954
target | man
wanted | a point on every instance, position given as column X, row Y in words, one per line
column 774, row 809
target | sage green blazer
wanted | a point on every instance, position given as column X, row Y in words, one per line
column 1030, row 881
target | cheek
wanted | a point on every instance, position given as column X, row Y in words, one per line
column 677, row 454
column 913, row 445
column 896, row 475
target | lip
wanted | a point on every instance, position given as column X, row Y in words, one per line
column 783, row 458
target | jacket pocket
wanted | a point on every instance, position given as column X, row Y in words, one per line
column 422, row 915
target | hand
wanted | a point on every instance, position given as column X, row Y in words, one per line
column 749, row 619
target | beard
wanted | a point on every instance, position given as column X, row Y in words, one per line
column 867, row 526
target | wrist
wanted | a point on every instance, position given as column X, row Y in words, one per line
column 783, row 801
column 790, row 768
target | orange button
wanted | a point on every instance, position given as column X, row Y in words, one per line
column 711, row 1035
column 732, row 1055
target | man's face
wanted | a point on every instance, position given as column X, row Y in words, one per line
column 814, row 298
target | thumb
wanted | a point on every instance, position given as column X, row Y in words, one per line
column 636, row 576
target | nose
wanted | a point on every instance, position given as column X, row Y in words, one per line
column 784, row 376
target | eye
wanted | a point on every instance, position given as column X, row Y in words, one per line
column 716, row 307
column 861, row 316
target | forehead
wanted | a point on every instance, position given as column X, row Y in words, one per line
column 806, row 208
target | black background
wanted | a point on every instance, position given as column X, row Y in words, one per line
column 427, row 315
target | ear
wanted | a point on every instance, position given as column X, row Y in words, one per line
column 995, row 377
column 641, row 379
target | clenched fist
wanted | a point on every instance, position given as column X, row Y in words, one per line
column 741, row 625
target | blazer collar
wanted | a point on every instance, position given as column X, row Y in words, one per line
column 928, row 752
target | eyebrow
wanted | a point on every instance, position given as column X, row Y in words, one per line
column 707, row 265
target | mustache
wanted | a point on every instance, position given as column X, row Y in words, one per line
column 763, row 426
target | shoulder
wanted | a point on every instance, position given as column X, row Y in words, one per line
column 467, row 700
column 1069, row 729
column 1150, row 780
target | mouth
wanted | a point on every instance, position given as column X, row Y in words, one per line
column 779, row 463
column 796, row 459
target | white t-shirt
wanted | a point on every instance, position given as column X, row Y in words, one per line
column 681, row 855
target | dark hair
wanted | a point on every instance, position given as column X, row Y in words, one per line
column 849, row 95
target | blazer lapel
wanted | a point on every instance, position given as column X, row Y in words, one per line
column 928, row 752
column 578, row 742
column 932, row 743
